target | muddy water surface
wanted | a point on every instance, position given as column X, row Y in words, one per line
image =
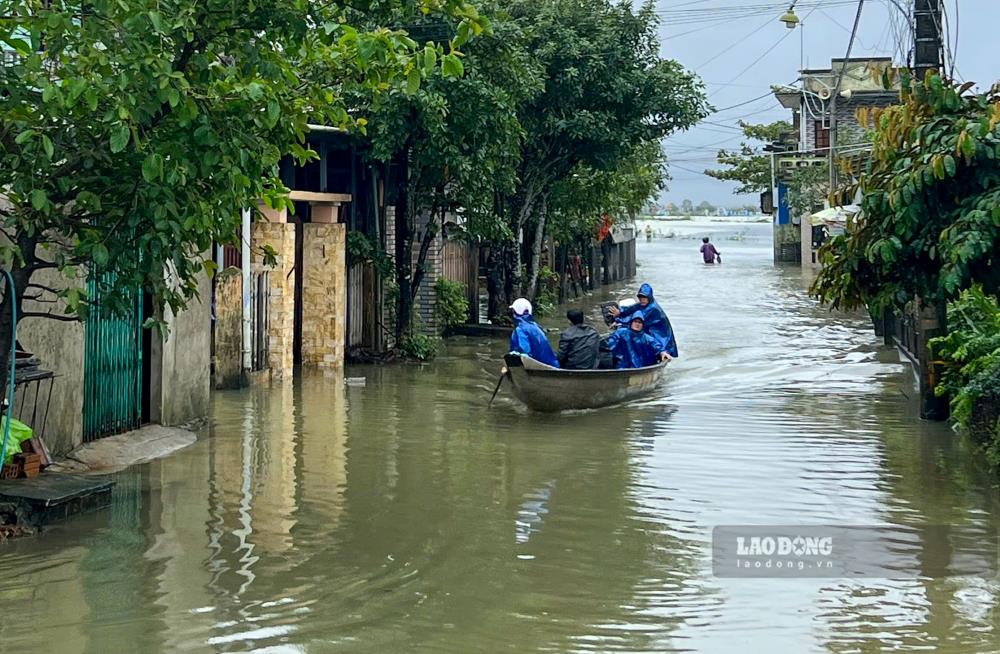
column 404, row 516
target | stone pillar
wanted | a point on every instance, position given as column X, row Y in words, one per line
column 324, row 294
column 281, row 308
column 228, row 328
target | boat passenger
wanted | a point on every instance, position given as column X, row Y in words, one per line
column 633, row 347
column 655, row 318
column 579, row 344
column 528, row 338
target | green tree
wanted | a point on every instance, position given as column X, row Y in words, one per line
column 580, row 200
column 750, row 166
column 460, row 139
column 606, row 91
column 132, row 132
column 706, row 207
column 931, row 225
column 687, row 207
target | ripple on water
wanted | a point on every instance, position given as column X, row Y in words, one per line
column 403, row 515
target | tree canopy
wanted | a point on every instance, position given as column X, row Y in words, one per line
column 131, row 133
column 750, row 166
column 931, row 207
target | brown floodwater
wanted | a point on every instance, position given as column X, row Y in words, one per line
column 405, row 516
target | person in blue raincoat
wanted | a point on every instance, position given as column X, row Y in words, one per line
column 655, row 318
column 632, row 347
column 528, row 338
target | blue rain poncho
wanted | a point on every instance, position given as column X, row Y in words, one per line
column 528, row 338
column 655, row 320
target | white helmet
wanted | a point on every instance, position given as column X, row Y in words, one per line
column 521, row 307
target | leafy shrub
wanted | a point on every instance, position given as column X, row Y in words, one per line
column 452, row 305
column 361, row 249
column 419, row 346
column 971, row 351
column 547, row 296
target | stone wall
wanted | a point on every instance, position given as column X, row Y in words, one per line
column 228, row 328
column 281, row 313
column 324, row 294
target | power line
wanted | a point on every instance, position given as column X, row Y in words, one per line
column 759, row 97
column 736, row 43
column 773, row 47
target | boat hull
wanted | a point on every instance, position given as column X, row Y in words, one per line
column 544, row 388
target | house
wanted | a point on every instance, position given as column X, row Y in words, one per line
column 824, row 110
column 107, row 374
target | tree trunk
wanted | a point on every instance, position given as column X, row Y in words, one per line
column 563, row 270
column 405, row 228
column 430, row 233
column 22, row 276
column 531, row 284
column 500, row 281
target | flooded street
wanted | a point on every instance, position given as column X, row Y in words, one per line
column 403, row 515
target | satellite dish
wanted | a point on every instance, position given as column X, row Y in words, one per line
column 824, row 94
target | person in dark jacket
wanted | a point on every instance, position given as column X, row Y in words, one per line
column 633, row 347
column 655, row 318
column 578, row 345
column 528, row 338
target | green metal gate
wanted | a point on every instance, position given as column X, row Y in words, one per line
column 112, row 394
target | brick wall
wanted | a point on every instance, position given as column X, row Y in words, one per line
column 281, row 312
column 324, row 294
column 426, row 301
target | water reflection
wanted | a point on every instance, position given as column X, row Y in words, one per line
column 402, row 515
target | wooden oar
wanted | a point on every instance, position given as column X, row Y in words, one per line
column 503, row 374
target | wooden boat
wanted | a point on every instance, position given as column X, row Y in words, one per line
column 544, row 388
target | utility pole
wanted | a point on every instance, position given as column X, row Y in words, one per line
column 928, row 43
column 930, row 314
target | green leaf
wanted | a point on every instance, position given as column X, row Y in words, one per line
column 949, row 165
column 47, row 146
column 157, row 20
column 452, row 66
column 76, row 89
column 21, row 46
column 99, row 254
column 413, row 81
column 24, row 136
column 39, row 199
column 152, row 167
column 430, row 59
column 273, row 110
column 120, row 138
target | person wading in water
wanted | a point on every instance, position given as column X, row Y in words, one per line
column 708, row 252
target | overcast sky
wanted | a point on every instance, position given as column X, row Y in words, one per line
column 739, row 48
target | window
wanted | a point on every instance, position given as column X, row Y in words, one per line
column 822, row 135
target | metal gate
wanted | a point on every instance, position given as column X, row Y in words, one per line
column 260, row 302
column 112, row 393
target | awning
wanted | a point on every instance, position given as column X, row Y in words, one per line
column 835, row 216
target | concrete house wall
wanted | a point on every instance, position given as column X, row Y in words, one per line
column 179, row 387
